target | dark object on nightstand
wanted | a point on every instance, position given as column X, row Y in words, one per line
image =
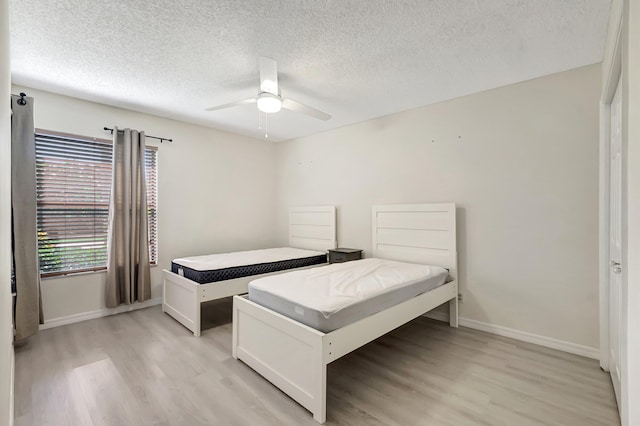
column 340, row 255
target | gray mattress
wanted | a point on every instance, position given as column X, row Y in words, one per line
column 351, row 313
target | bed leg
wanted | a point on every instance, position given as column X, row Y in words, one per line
column 164, row 294
column 320, row 412
column 197, row 328
column 234, row 328
column 198, row 313
column 320, row 418
column 453, row 312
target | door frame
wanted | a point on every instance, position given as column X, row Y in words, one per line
column 612, row 74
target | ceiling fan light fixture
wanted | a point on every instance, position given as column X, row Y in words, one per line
column 269, row 99
column 269, row 103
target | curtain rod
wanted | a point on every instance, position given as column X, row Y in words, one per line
column 147, row 136
column 22, row 100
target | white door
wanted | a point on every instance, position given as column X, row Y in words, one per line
column 615, row 243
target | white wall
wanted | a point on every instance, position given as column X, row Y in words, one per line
column 6, row 326
column 215, row 192
column 521, row 162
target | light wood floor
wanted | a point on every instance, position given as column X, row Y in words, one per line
column 143, row 368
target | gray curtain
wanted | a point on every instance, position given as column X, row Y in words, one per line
column 128, row 272
column 27, row 309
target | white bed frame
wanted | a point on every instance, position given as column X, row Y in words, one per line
column 294, row 357
column 311, row 228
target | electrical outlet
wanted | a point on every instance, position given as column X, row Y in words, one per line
column 460, row 298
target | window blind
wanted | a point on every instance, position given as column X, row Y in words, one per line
column 73, row 186
column 151, row 176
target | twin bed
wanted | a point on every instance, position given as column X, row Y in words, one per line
column 291, row 326
column 195, row 280
column 293, row 355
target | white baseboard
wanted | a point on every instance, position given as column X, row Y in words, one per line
column 523, row 336
column 84, row 316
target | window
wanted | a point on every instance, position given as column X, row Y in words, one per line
column 73, row 181
column 151, row 178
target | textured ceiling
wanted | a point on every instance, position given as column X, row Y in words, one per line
column 355, row 59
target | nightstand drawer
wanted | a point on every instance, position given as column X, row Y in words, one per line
column 340, row 255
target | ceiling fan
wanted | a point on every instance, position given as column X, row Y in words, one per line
column 269, row 99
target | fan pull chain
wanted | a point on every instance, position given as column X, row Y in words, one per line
column 259, row 120
column 266, row 125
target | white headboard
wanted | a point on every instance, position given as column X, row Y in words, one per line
column 418, row 233
column 313, row 228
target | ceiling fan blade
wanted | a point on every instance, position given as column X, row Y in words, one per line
column 292, row 105
column 269, row 76
column 232, row 104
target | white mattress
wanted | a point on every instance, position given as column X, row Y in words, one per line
column 242, row 258
column 329, row 297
